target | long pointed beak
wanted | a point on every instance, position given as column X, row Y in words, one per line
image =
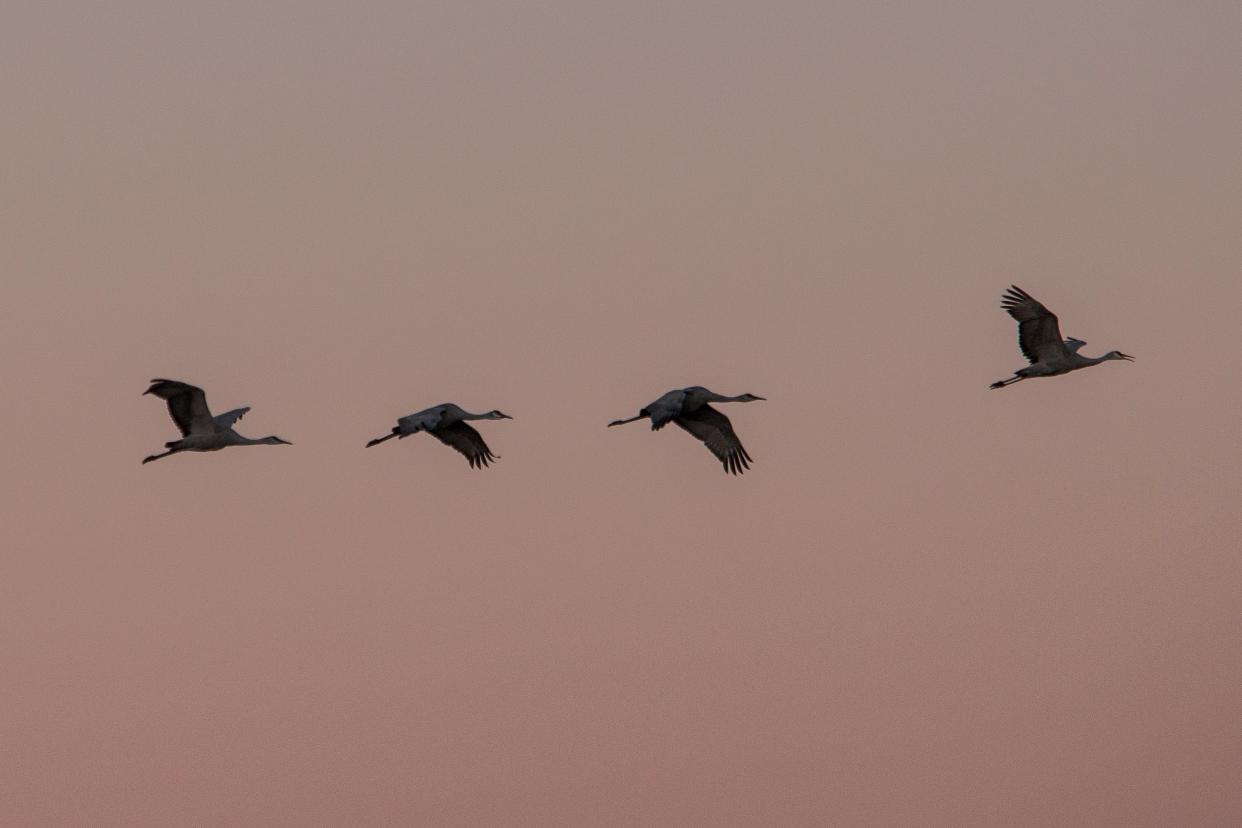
column 1125, row 356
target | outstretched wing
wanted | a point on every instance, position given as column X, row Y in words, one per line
column 187, row 405
column 1073, row 344
column 716, row 432
column 1039, row 336
column 463, row 437
column 227, row 419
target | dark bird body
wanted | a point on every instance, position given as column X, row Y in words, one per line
column 689, row 409
column 447, row 423
column 200, row 430
column 1039, row 337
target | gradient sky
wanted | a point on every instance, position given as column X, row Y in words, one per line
column 927, row 603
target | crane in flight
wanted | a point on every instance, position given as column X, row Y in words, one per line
column 689, row 409
column 1039, row 337
column 200, row 430
column 447, row 423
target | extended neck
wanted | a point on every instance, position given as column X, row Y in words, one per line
column 738, row 398
column 1111, row 355
column 487, row 415
column 261, row 441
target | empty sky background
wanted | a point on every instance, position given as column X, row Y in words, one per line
column 927, row 603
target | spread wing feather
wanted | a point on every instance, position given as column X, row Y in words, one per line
column 228, row 418
column 465, row 439
column 187, row 405
column 714, row 429
column 1039, row 335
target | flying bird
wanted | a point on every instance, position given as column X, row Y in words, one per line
column 447, row 423
column 1039, row 337
column 200, row 430
column 689, row 409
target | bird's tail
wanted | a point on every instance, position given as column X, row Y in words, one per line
column 379, row 440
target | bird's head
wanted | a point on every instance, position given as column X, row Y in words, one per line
column 1118, row 355
column 498, row 415
column 276, row 441
column 750, row 398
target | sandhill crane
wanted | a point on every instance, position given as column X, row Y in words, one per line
column 200, row 431
column 446, row 422
column 1040, row 339
column 688, row 408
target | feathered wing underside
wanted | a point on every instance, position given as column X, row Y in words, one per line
column 714, row 429
column 465, row 439
column 187, row 405
column 228, row 418
column 1039, row 335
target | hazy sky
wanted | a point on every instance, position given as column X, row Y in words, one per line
column 926, row 604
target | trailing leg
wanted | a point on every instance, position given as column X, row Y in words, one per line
column 146, row 460
column 378, row 440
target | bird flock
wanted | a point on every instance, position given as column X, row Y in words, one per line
column 1039, row 338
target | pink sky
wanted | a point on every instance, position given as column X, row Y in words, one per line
column 926, row 604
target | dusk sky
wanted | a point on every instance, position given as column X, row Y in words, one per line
column 927, row 603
